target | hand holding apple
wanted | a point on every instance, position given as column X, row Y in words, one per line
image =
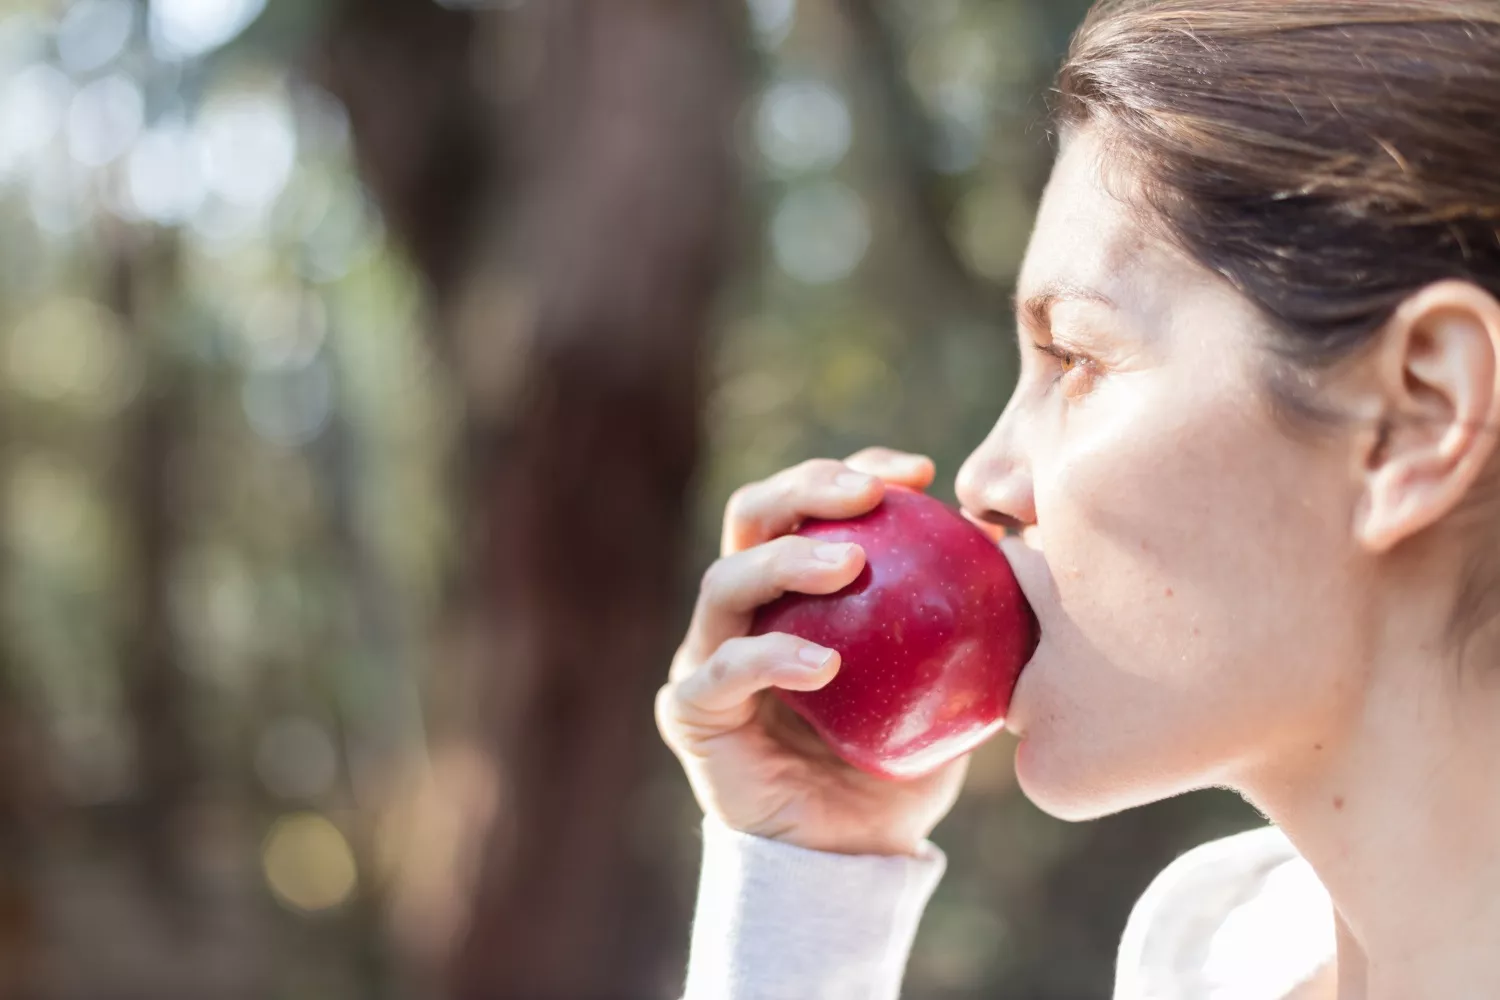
column 753, row 764
column 933, row 633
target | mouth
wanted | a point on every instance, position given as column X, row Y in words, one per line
column 1022, row 550
column 1014, row 721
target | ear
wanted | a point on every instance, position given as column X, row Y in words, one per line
column 1436, row 363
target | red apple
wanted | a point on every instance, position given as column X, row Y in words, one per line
column 933, row 634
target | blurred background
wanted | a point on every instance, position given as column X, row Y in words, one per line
column 373, row 374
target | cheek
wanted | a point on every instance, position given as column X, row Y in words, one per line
column 1167, row 523
column 1194, row 553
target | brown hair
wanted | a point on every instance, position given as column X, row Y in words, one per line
column 1327, row 157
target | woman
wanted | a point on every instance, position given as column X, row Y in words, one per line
column 1246, row 480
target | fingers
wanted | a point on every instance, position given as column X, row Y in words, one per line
column 720, row 696
column 819, row 488
column 904, row 468
column 736, row 585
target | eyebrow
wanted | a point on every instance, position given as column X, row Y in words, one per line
column 1036, row 311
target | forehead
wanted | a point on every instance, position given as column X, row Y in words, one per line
column 1088, row 235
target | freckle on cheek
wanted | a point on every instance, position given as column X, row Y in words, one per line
column 1338, row 802
column 1317, row 746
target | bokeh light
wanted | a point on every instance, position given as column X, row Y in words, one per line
column 53, row 518
column 165, row 179
column 289, row 405
column 92, row 33
column 772, row 20
column 991, row 227
column 72, row 350
column 104, row 119
column 185, row 29
column 308, row 863
column 803, row 125
column 283, row 328
column 33, row 106
column 248, row 147
column 820, row 232
column 295, row 759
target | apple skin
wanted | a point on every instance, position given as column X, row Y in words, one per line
column 933, row 634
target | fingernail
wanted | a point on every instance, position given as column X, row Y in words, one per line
column 854, row 482
column 815, row 656
column 832, row 553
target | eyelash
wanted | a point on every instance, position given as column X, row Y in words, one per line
column 1068, row 361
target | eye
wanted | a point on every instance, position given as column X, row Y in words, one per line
column 1066, row 360
column 1074, row 371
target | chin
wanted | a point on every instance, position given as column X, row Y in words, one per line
column 1069, row 786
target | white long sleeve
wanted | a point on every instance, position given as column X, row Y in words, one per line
column 776, row 922
column 1243, row 918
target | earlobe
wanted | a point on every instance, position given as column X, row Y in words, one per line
column 1387, row 515
column 1436, row 366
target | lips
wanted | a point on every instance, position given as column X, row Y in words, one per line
column 1024, row 552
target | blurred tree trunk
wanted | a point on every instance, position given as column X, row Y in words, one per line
column 940, row 281
column 142, row 268
column 424, row 133
column 22, row 776
column 576, row 333
column 20, row 933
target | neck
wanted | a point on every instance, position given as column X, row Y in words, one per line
column 1399, row 814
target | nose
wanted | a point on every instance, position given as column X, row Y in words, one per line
column 995, row 484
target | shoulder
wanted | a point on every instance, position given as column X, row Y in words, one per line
column 1245, row 912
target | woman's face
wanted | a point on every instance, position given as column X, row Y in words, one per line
column 1191, row 562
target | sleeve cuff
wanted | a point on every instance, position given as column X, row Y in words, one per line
column 777, row 922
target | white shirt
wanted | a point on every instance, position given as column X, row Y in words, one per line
column 1243, row 918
